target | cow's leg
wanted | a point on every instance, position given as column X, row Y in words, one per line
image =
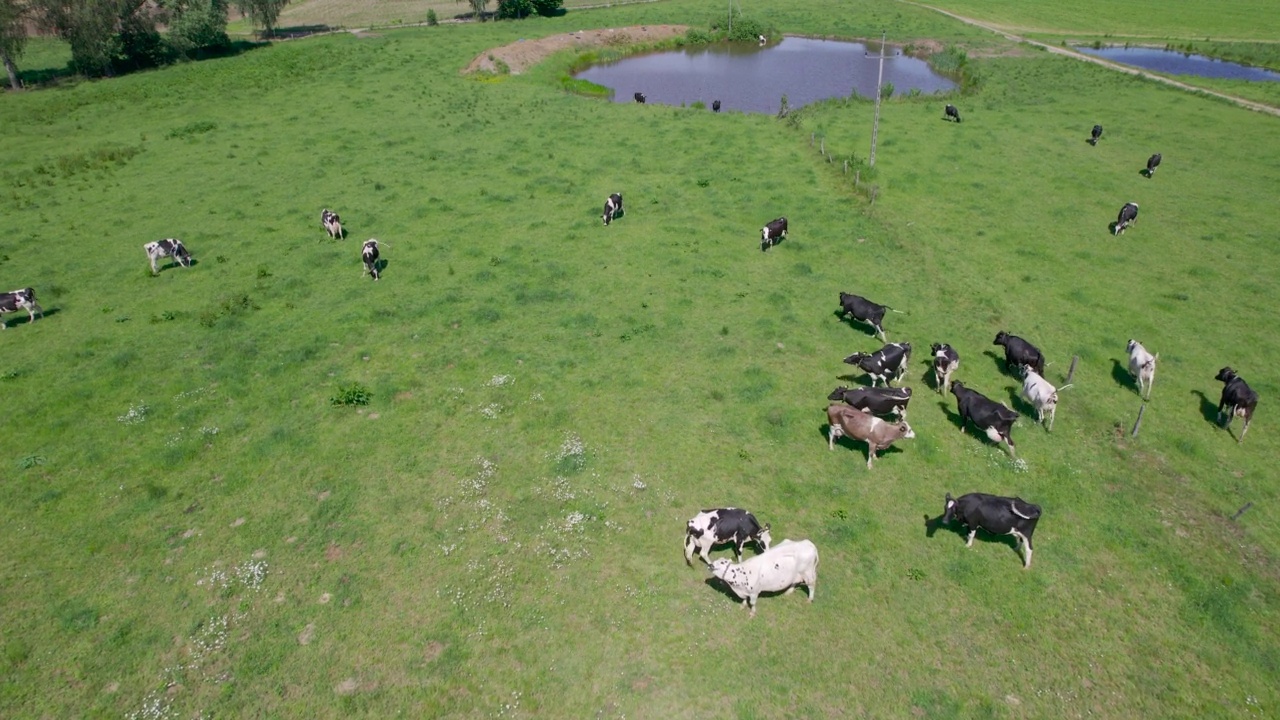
column 737, row 547
column 1248, row 418
column 751, row 603
column 705, row 553
column 153, row 267
column 688, row 550
column 834, row 433
column 1026, row 548
column 1013, row 452
column 969, row 542
column 871, row 453
column 1053, row 412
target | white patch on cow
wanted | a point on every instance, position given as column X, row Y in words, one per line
column 969, row 542
column 994, row 434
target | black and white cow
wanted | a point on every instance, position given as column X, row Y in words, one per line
column 369, row 254
column 332, row 223
column 875, row 401
column 1095, row 135
column 639, row 97
column 991, row 417
column 996, row 515
column 951, row 112
column 15, row 300
column 864, row 311
column 1153, row 162
column 723, row 525
column 1237, row 399
column 1128, row 216
column 884, row 365
column 612, row 208
column 945, row 361
column 1019, row 352
column 774, row 232
column 169, row 247
column 715, row 106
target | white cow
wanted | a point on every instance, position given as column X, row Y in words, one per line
column 1142, row 366
column 781, row 567
column 1040, row 393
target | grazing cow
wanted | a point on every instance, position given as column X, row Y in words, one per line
column 763, row 40
column 1128, row 216
column 989, row 416
column 1041, row 394
column 884, row 365
column 1238, row 398
column 774, row 232
column 639, row 97
column 864, row 311
column 723, row 525
column 997, row 515
column 785, row 565
column 15, row 300
column 878, row 434
column 369, row 254
column 715, row 106
column 945, row 362
column 1142, row 366
column 876, row 401
column 1019, row 352
column 1097, row 133
column 169, row 247
column 951, row 112
column 1153, row 162
column 612, row 208
column 332, row 223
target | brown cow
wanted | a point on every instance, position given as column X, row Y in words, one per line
column 876, row 433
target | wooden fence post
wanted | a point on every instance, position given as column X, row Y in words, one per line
column 1241, row 510
column 1071, row 373
column 1138, row 425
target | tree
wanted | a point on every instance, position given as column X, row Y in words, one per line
column 262, row 12
column 13, row 36
column 196, row 25
column 477, row 6
column 91, row 27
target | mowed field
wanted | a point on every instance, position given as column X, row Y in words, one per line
column 1226, row 20
column 192, row 529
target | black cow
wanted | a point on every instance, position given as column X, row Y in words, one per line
column 885, row 365
column 15, row 300
column 612, row 208
column 875, row 401
column 1153, row 162
column 773, row 233
column 945, row 362
column 1128, row 216
column 1097, row 133
column 991, row 417
column 1019, row 352
column 169, row 247
column 996, row 515
column 639, row 97
column 951, row 112
column 332, row 223
column 715, row 106
column 1237, row 398
column 369, row 254
column 864, row 311
column 723, row 525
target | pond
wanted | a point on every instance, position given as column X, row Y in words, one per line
column 1176, row 62
column 750, row 78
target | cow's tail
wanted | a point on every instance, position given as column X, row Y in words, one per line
column 900, row 312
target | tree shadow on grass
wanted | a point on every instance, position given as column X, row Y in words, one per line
column 297, row 31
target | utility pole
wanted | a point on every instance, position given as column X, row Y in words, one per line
column 875, row 126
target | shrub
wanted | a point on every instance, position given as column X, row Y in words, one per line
column 351, row 394
column 432, row 19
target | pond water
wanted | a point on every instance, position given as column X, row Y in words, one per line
column 1176, row 62
column 746, row 77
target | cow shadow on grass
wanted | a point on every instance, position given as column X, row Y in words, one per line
column 25, row 319
column 1121, row 375
column 1020, row 404
column 723, row 588
column 1208, row 408
column 1111, row 227
column 998, row 360
column 864, row 328
column 933, row 525
column 859, row 446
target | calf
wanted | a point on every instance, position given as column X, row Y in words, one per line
column 773, row 233
column 1142, row 366
column 715, row 106
column 864, row 311
column 332, row 223
column 1041, row 394
column 639, row 97
column 15, row 300
column 845, row 421
column 997, row 515
column 1237, row 398
column 787, row 564
column 885, row 365
column 1019, row 352
column 945, row 362
column 1128, row 216
column 1153, row 162
column 723, row 525
column 1095, row 135
column 951, row 112
column 612, row 208
column 169, row 247
column 989, row 416
column 369, row 254
column 876, row 401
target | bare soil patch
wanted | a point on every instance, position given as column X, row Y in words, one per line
column 524, row 54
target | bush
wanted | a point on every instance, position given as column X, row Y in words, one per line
column 199, row 26
column 432, row 19
column 514, row 9
column 547, row 8
column 351, row 394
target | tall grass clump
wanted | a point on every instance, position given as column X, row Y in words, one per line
column 954, row 63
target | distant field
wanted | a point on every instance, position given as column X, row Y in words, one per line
column 1221, row 20
column 355, row 13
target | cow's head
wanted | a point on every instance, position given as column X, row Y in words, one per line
column 181, row 255
column 948, row 509
column 1132, row 344
column 719, row 567
column 762, row 538
column 838, row 393
column 1226, row 374
column 854, row 359
column 937, row 348
column 1002, row 338
column 956, row 387
column 906, row 431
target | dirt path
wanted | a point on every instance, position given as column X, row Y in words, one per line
column 524, row 54
column 1249, row 104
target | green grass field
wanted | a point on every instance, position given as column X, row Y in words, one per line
column 193, row 529
column 1224, row 20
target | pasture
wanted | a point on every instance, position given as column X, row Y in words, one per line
column 195, row 528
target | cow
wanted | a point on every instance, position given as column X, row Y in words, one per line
column 1142, row 366
column 996, row 515
column 785, row 565
column 332, row 223
column 369, row 254
column 774, row 232
column 612, row 208
column 845, row 421
column 715, row 106
column 1153, row 162
column 1237, row 398
column 1019, row 352
column 951, row 112
column 169, row 247
column 876, row 401
column 989, row 416
column 15, row 300
column 945, row 362
column 763, row 40
column 1041, row 394
column 1095, row 135
column 864, row 311
column 639, row 97
column 884, row 365
column 723, row 525
column 1128, row 216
